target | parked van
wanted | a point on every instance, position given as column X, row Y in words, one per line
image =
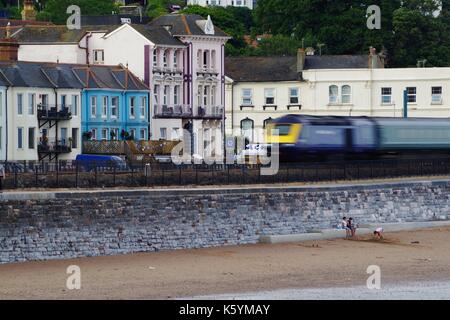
column 89, row 161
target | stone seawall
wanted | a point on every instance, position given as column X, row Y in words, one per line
column 58, row 225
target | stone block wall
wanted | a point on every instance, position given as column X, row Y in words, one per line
column 58, row 225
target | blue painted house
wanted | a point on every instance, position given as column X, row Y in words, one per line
column 115, row 103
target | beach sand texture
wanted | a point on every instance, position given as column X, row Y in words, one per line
column 404, row 257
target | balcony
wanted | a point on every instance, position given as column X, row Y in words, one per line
column 173, row 112
column 210, row 112
column 167, row 70
column 52, row 148
column 206, row 70
column 53, row 113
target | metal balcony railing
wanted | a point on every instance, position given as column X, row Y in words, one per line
column 173, row 111
column 53, row 112
column 48, row 145
column 210, row 112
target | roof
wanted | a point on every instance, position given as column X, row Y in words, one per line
column 185, row 25
column 262, row 69
column 157, row 35
column 337, row 62
column 51, row 34
column 69, row 76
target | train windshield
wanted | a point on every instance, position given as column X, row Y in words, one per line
column 281, row 129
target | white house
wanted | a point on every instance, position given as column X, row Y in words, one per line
column 224, row 3
column 40, row 113
column 262, row 88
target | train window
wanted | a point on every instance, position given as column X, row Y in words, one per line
column 281, row 129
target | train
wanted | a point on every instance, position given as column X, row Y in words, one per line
column 305, row 137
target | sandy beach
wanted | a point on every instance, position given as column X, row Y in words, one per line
column 405, row 259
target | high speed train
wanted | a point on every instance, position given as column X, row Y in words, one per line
column 301, row 137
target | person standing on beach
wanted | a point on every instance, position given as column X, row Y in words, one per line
column 351, row 227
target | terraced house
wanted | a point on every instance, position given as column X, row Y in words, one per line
column 46, row 108
column 180, row 57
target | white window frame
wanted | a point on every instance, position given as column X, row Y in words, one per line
column 31, row 103
column 333, row 98
column 161, row 131
column 292, row 96
column 104, row 134
column 96, row 56
column 20, row 138
column 412, row 95
column 142, row 134
column 94, row 133
column 105, row 106
column 20, row 104
column 155, row 58
column 175, row 59
column 132, row 102
column 133, row 133
column 248, row 97
column 385, row 95
column 176, row 95
column 75, row 105
column 436, row 98
column 269, row 93
column 348, row 95
column 93, row 106
column 166, row 91
column 114, row 107
column 143, row 107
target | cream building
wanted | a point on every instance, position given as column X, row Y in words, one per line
column 259, row 89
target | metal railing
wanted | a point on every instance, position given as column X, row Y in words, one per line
column 53, row 112
column 173, row 111
column 73, row 174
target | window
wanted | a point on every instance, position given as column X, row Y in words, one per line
column 163, row 133
column 75, row 105
column 104, row 106
column 269, row 96
column 386, row 95
column 31, row 138
column 200, row 95
column 247, row 126
column 74, row 138
column 213, row 59
column 104, row 134
column 63, row 101
column 155, row 57
column 412, row 94
column 44, row 101
column 247, row 97
column 132, row 107
column 114, row 107
column 94, row 134
column 31, row 103
column 93, row 107
column 205, row 95
column 346, row 94
column 213, row 95
column 99, row 56
column 19, row 104
column 205, row 59
column 156, row 94
column 436, row 95
column 175, row 133
column 166, row 96
column 143, row 107
column 1, row 137
column 165, row 58
column 266, row 122
column 114, row 133
column 142, row 134
column 293, row 95
column 64, row 136
column 175, row 59
column 199, row 58
column 1, row 104
column 133, row 134
column 333, row 94
column 176, row 95
column 19, row 138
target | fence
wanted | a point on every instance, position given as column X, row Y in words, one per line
column 71, row 174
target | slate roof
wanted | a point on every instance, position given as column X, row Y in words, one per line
column 51, row 34
column 73, row 76
column 185, row 25
column 337, row 62
column 284, row 68
column 158, row 35
column 261, row 69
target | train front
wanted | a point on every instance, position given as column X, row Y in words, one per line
column 285, row 132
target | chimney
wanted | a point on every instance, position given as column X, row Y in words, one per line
column 301, row 56
column 9, row 49
column 28, row 12
column 374, row 59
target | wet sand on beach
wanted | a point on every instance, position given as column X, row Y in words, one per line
column 403, row 257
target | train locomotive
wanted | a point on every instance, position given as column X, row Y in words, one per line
column 303, row 137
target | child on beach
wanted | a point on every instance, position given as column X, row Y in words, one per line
column 378, row 233
column 351, row 228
